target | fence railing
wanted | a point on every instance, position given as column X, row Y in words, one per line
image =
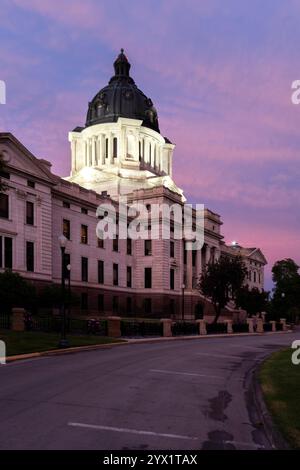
column 141, row 328
column 50, row 323
column 185, row 328
column 5, row 321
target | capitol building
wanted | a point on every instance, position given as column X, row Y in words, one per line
column 119, row 152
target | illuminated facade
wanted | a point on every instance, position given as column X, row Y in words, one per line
column 119, row 151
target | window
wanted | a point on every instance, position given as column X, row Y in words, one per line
column 115, row 274
column 66, row 204
column 172, row 277
column 140, row 151
column 100, row 243
column 172, row 251
column 6, row 252
column 254, row 276
column 106, row 148
column 4, row 206
column 84, row 210
column 148, row 278
column 67, row 262
column 128, row 305
column 100, row 302
column 84, row 269
column 147, row 306
column 115, row 147
column 4, row 174
column 194, row 258
column 29, row 213
column 129, row 276
column 30, row 256
column 129, row 246
column 84, row 301
column 115, row 304
column 148, row 247
column 31, row 184
column 116, row 243
column 84, row 234
column 100, row 272
column 66, row 229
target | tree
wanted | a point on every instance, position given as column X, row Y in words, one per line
column 52, row 296
column 253, row 301
column 286, row 294
column 221, row 281
column 15, row 291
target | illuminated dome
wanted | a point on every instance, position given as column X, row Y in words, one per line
column 122, row 98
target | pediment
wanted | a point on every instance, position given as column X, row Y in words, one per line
column 18, row 157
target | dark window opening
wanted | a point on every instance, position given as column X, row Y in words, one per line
column 115, row 274
column 129, row 276
column 84, row 269
column 4, row 206
column 29, row 213
column 148, row 278
column 30, row 256
column 67, row 229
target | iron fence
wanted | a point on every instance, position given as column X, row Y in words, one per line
column 4, row 321
column 141, row 328
column 184, row 328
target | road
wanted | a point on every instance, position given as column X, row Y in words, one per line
column 169, row 395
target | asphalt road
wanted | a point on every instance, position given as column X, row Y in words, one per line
column 170, row 395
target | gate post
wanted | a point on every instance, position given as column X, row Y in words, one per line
column 114, row 327
column 167, row 327
column 18, row 320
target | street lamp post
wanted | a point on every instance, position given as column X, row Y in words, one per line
column 182, row 302
column 63, row 343
column 69, row 288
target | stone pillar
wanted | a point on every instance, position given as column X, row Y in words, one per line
column 18, row 322
column 283, row 322
column 202, row 327
column 229, row 326
column 207, row 254
column 114, row 327
column 260, row 326
column 250, row 325
column 273, row 323
column 167, row 326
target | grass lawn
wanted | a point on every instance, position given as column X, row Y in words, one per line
column 280, row 381
column 30, row 341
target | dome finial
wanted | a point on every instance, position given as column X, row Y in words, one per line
column 121, row 65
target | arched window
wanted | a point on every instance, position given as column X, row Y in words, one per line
column 115, row 147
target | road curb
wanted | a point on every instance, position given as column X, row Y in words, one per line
column 130, row 342
column 272, row 432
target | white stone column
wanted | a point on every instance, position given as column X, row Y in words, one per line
column 93, row 141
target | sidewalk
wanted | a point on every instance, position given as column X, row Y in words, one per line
column 132, row 341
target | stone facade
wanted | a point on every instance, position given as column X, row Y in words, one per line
column 109, row 159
